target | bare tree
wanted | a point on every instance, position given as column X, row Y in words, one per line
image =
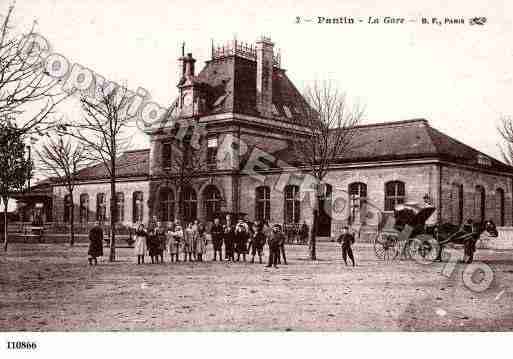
column 187, row 159
column 102, row 133
column 23, row 81
column 330, row 121
column 62, row 159
column 506, row 131
column 15, row 167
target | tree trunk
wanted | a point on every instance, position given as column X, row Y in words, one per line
column 180, row 212
column 313, row 236
column 113, row 217
column 72, row 221
column 5, row 223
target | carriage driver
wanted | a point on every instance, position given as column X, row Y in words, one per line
column 467, row 230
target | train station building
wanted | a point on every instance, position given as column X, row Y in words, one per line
column 250, row 111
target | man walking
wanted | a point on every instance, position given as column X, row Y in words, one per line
column 346, row 239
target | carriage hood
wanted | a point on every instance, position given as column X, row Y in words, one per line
column 413, row 214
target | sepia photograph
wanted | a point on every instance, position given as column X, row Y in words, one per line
column 271, row 167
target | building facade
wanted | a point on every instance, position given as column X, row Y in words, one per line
column 248, row 112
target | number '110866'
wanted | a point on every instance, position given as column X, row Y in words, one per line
column 21, row 345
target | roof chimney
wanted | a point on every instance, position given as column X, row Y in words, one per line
column 181, row 66
column 189, row 66
column 264, row 80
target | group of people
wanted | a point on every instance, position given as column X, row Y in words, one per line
column 239, row 239
column 155, row 239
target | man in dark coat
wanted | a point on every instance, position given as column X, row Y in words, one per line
column 217, row 239
column 95, row 244
column 229, row 239
column 153, row 241
column 160, row 234
column 281, row 250
column 469, row 245
column 274, row 241
column 346, row 239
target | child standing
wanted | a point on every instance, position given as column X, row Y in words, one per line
column 346, row 239
column 200, row 245
column 140, row 244
column 177, row 241
column 257, row 243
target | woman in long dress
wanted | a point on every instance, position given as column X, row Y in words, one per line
column 96, row 244
column 140, row 245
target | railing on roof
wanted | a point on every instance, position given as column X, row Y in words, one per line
column 241, row 49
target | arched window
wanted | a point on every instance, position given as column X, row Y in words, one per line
column 120, row 207
column 357, row 200
column 263, row 203
column 101, row 208
column 479, row 204
column 292, row 204
column 167, row 205
column 394, row 194
column 190, row 204
column 68, row 203
column 84, row 208
column 211, row 201
column 500, row 206
column 137, row 207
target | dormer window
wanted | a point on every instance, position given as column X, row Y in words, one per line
column 287, row 111
column 483, row 160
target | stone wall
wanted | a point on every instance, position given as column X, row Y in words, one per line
column 420, row 180
column 92, row 189
column 470, row 179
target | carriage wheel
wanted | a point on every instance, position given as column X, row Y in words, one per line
column 386, row 247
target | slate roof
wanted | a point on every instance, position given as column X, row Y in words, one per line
column 411, row 139
column 229, row 84
column 130, row 164
column 402, row 140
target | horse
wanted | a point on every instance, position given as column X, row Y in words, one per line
column 467, row 235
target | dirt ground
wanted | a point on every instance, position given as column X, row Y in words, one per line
column 50, row 287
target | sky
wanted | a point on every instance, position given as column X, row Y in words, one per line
column 458, row 77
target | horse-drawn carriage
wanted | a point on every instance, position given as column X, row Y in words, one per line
column 404, row 234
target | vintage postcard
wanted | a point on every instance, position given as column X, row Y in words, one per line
column 219, row 166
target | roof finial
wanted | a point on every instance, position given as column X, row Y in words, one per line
column 183, row 48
